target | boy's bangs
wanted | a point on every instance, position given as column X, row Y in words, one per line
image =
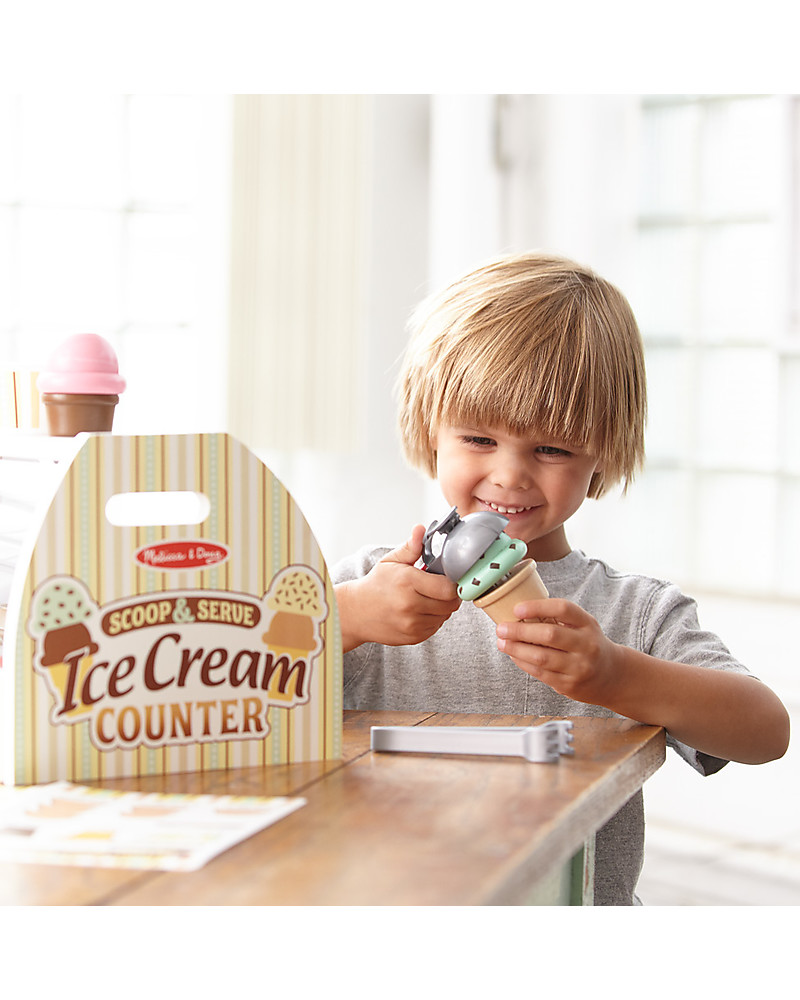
column 549, row 393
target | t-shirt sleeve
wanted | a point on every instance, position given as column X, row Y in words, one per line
column 671, row 631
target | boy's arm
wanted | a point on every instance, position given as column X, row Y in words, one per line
column 728, row 715
column 395, row 603
column 722, row 713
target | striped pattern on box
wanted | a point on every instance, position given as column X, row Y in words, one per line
column 177, row 670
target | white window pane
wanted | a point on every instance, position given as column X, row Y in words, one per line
column 668, row 159
column 740, row 295
column 738, row 412
column 170, row 388
column 72, row 149
column 716, row 169
column 33, row 344
column 669, row 403
column 735, row 528
column 9, row 148
column 162, row 259
column 70, row 267
column 8, row 284
column 789, row 540
column 741, row 156
column 643, row 531
column 165, row 149
column 665, row 275
column 790, row 422
column 653, row 529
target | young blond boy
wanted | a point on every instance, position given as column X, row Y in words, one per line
column 523, row 392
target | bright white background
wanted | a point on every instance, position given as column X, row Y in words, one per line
column 254, row 261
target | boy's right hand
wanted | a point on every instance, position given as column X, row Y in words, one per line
column 396, row 603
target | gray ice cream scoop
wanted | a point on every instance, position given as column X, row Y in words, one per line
column 474, row 551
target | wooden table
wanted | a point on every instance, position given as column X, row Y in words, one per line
column 392, row 828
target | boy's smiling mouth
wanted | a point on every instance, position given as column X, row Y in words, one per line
column 501, row 509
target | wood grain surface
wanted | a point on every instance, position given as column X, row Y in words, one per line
column 385, row 828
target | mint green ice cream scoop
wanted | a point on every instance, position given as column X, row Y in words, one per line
column 495, row 564
column 474, row 551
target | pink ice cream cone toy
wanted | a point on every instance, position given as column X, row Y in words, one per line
column 81, row 385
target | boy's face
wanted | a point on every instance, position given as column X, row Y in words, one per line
column 536, row 483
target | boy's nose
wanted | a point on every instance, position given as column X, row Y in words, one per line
column 511, row 475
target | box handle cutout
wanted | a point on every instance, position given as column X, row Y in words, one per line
column 140, row 510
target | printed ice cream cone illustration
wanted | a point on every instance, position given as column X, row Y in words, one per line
column 296, row 596
column 80, row 386
column 59, row 611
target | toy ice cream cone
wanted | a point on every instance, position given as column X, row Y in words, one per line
column 81, row 385
column 70, row 413
column 524, row 584
column 488, row 565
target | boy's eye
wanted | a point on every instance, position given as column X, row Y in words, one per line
column 547, row 449
column 482, row 442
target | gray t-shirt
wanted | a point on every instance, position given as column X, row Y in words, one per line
column 460, row 669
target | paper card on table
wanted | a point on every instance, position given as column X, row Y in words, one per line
column 66, row 824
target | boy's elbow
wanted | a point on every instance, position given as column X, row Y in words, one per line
column 777, row 731
column 782, row 734
column 764, row 726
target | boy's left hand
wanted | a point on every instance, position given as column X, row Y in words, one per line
column 562, row 645
column 567, row 650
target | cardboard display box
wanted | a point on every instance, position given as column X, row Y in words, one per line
column 208, row 639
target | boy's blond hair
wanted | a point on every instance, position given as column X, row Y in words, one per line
column 533, row 344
